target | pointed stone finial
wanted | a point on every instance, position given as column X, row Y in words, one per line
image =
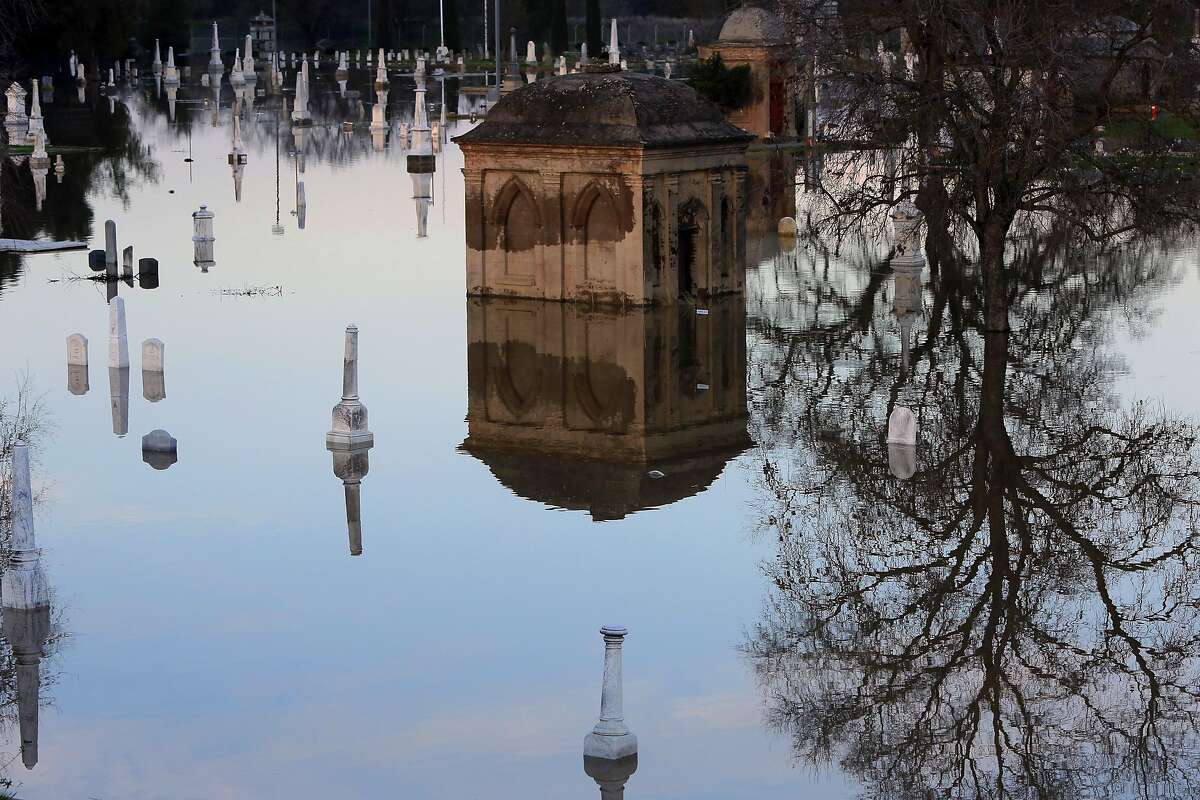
column 614, row 48
column 611, row 738
column 214, row 60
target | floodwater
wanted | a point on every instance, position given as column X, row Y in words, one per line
column 216, row 637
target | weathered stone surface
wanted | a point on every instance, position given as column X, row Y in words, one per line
column 77, row 380
column 152, row 355
column 77, row 350
column 118, row 340
column 350, row 415
column 118, row 393
column 611, row 738
column 605, row 108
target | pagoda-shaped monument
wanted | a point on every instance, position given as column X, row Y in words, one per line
column 605, row 186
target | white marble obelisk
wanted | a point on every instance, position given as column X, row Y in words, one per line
column 214, row 59
column 171, row 72
column 36, row 124
column 26, row 601
column 300, row 113
column 614, row 48
column 248, row 74
column 611, row 739
column 350, row 415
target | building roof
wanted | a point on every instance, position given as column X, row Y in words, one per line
column 605, row 108
column 752, row 24
column 606, row 490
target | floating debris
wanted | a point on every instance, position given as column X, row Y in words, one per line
column 251, row 291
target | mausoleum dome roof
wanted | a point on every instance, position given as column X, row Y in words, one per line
column 752, row 24
column 604, row 489
column 605, row 108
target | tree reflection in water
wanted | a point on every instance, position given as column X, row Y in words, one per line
column 1020, row 617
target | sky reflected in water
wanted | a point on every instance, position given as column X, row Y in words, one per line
column 220, row 640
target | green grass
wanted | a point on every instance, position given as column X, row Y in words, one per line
column 1167, row 126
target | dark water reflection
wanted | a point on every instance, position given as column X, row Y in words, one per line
column 1010, row 609
column 1017, row 615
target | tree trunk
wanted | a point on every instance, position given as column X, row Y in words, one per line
column 995, row 287
column 593, row 29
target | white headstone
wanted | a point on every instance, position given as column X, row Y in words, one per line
column 530, row 53
column 152, row 355
column 77, row 350
column 902, row 426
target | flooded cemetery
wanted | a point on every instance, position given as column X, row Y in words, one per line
column 502, row 420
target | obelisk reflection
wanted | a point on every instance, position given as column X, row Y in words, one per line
column 26, row 604
column 349, row 441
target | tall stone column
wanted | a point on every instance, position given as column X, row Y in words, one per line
column 611, row 738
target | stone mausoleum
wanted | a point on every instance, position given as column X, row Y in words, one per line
column 754, row 36
column 606, row 187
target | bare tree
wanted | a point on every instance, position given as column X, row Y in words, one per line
column 1021, row 615
column 991, row 110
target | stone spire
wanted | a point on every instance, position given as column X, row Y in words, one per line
column 614, row 48
column 236, row 78
column 300, row 113
column 611, row 738
column 171, row 73
column 36, row 124
column 214, row 59
column 26, row 601
column 248, row 60
column 157, row 58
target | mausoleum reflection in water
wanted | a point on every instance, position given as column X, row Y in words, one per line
column 610, row 411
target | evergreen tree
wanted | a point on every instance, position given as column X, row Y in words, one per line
column 593, row 29
column 558, row 27
column 453, row 37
